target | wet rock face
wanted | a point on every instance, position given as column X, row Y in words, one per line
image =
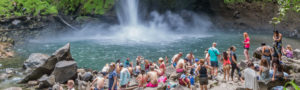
column 35, row 60
column 6, row 49
column 64, row 71
column 297, row 53
column 49, row 65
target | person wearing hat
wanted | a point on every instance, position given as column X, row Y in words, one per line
column 181, row 65
column 162, row 67
column 124, row 77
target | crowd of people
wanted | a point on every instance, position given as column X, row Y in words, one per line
column 191, row 70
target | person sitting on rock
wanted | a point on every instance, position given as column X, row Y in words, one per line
column 70, row 85
column 181, row 66
column 152, row 75
column 141, row 79
column 162, row 67
column 105, row 69
column 184, row 80
column 288, row 52
column 99, row 83
column 147, row 65
column 137, row 68
column 176, row 58
column 266, row 53
column 264, row 70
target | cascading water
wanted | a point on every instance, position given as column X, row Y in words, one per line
column 128, row 12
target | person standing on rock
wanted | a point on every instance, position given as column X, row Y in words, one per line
column 277, row 38
column 112, row 78
column 266, row 53
column 124, row 77
column 214, row 54
column 246, row 46
column 250, row 78
column 233, row 60
column 175, row 59
column 226, row 65
column 203, row 77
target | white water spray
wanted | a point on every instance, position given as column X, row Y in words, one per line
column 158, row 28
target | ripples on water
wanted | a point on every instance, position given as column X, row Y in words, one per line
column 95, row 53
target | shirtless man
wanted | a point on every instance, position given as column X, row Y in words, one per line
column 176, row 58
column 190, row 57
column 100, row 83
column 153, row 77
column 181, row 65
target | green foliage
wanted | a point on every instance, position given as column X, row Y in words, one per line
column 284, row 6
column 10, row 8
column 84, row 6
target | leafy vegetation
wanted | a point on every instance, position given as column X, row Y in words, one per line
column 9, row 8
column 284, row 6
column 12, row 8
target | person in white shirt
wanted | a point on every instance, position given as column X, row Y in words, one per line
column 250, row 78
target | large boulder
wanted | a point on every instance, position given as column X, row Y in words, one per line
column 35, row 60
column 64, row 71
column 45, row 81
column 297, row 53
column 49, row 65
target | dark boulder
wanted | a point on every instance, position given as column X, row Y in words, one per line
column 49, row 65
column 64, row 71
column 35, row 60
column 87, row 76
column 45, row 81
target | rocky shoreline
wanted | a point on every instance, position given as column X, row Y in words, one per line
column 41, row 71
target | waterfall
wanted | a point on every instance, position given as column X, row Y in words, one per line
column 127, row 11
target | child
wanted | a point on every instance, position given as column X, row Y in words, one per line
column 70, row 85
column 183, row 80
column 288, row 52
column 192, row 78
